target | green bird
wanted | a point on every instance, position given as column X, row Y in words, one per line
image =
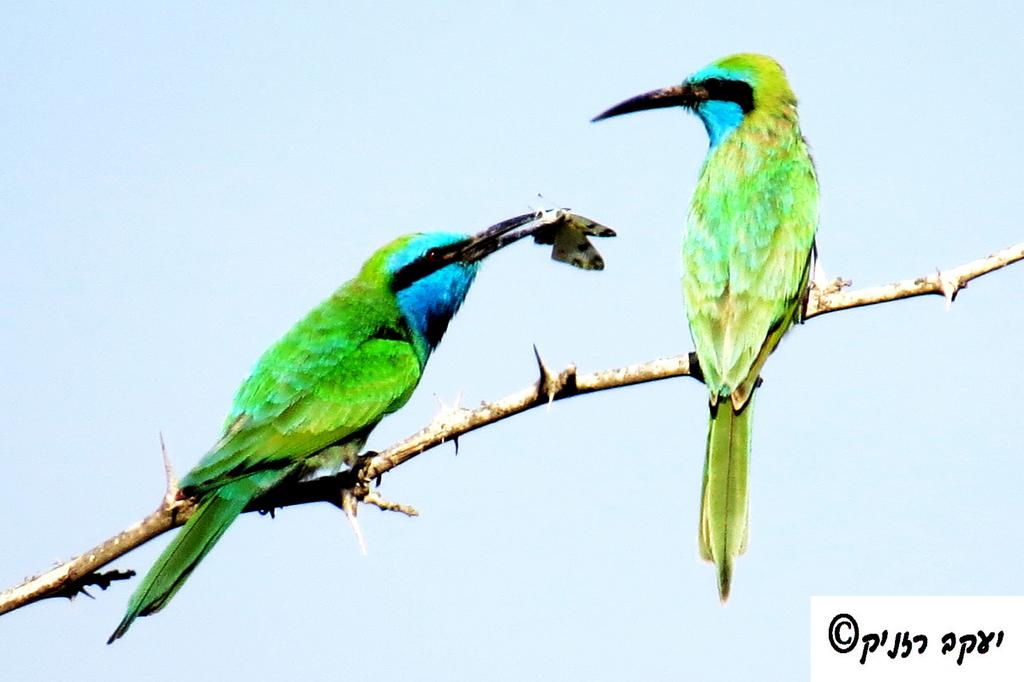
column 314, row 396
column 746, row 260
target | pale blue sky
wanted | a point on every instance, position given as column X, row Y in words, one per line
column 179, row 185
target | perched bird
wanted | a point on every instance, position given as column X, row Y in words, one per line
column 314, row 396
column 746, row 258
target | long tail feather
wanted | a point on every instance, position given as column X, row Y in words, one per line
column 195, row 540
column 724, row 504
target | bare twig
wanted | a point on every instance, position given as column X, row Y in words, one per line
column 946, row 283
column 101, row 579
column 64, row 579
column 377, row 501
column 72, row 576
column 353, row 485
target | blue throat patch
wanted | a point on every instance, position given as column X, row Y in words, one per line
column 720, row 119
column 430, row 303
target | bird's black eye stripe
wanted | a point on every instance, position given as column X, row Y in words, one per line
column 415, row 270
column 427, row 264
column 724, row 90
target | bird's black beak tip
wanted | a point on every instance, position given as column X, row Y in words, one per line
column 478, row 246
column 674, row 96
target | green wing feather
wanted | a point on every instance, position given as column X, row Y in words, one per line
column 377, row 378
column 724, row 523
column 202, row 531
column 338, row 372
column 746, row 264
column 746, row 254
column 327, row 382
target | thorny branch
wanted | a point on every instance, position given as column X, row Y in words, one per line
column 830, row 297
column 346, row 489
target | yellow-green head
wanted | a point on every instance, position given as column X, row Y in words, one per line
column 723, row 94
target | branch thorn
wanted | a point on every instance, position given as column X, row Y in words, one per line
column 950, row 284
column 171, row 493
column 547, row 386
column 445, row 410
column 349, row 506
column 98, row 579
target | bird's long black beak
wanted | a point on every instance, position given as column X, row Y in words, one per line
column 674, row 96
column 468, row 250
column 495, row 237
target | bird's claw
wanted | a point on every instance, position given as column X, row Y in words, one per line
column 377, row 501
